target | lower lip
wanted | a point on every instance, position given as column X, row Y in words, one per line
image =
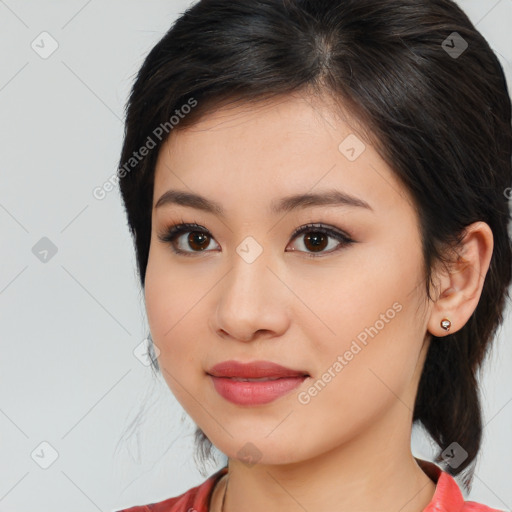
column 255, row 392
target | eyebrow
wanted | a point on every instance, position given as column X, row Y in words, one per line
column 286, row 204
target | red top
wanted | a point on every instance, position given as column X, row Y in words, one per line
column 447, row 496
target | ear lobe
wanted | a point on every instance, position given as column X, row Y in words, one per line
column 462, row 286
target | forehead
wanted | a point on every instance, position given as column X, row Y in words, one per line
column 273, row 148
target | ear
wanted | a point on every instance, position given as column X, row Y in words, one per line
column 460, row 288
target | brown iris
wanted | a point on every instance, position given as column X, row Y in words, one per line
column 197, row 240
column 317, row 239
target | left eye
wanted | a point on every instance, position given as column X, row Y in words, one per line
column 315, row 239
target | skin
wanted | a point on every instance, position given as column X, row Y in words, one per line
column 351, row 443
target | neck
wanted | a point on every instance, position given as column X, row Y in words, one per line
column 372, row 472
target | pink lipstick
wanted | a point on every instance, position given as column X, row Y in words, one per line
column 256, row 383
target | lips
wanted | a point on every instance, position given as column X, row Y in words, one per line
column 257, row 370
column 256, row 383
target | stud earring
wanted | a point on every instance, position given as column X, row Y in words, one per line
column 445, row 324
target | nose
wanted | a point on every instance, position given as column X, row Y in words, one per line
column 252, row 302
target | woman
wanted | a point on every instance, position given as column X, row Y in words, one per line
column 318, row 194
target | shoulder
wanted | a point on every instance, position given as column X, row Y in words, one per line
column 473, row 506
column 195, row 499
column 451, row 498
column 448, row 496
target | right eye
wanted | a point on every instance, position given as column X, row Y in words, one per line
column 198, row 238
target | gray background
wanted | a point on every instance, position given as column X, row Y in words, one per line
column 71, row 326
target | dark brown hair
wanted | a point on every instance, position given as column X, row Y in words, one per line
column 433, row 97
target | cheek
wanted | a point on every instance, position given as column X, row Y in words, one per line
column 367, row 314
column 176, row 309
column 169, row 302
column 365, row 372
column 169, row 294
column 366, row 288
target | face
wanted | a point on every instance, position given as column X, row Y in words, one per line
column 332, row 288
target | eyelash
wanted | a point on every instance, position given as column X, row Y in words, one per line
column 175, row 230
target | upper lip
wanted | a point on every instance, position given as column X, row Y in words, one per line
column 254, row 370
